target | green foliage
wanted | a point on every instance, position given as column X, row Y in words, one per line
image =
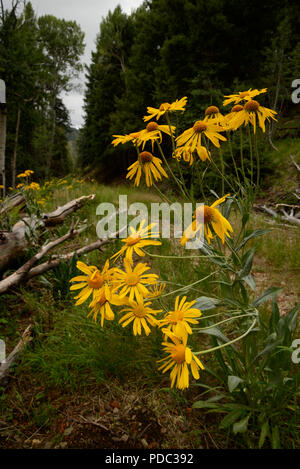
column 38, row 59
column 259, row 383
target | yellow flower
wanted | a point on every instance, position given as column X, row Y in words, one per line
column 177, row 105
column 136, row 241
column 132, row 281
column 179, row 320
column 141, row 314
column 2, row 187
column 20, row 185
column 187, row 153
column 151, row 165
column 33, row 186
column 156, row 290
column 242, row 96
column 252, row 110
column 28, row 172
column 132, row 137
column 212, row 114
column 208, row 216
column 100, row 305
column 153, row 132
column 191, row 138
column 178, row 359
column 22, row 175
column 92, row 282
column 234, row 110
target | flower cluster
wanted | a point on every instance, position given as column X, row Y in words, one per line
column 196, row 139
column 133, row 288
column 130, row 285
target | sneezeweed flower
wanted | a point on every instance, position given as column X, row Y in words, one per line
column 28, row 172
column 141, row 314
column 136, row 241
column 22, row 175
column 33, row 186
column 212, row 114
column 133, row 281
column 132, row 137
column 19, row 185
column 233, row 113
column 179, row 320
column 92, row 282
column 252, row 110
column 153, row 132
column 150, row 165
column 101, row 305
column 206, row 217
column 178, row 358
column 177, row 105
column 186, row 152
column 192, row 137
column 242, row 96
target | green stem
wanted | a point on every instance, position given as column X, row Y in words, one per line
column 222, row 175
column 161, row 194
column 222, row 171
column 202, row 352
column 171, row 172
column 190, row 285
column 174, row 148
column 251, row 153
column 199, row 178
column 179, row 257
column 257, row 160
column 221, row 322
column 242, row 153
column 232, row 157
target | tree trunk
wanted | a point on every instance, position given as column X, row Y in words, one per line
column 2, row 143
column 14, row 160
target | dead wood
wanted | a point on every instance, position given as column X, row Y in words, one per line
column 14, row 243
column 13, row 356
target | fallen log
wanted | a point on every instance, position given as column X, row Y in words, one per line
column 30, row 270
column 290, row 217
column 17, row 277
column 14, row 243
column 297, row 166
column 16, row 200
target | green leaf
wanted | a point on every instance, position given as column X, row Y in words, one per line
column 215, row 332
column 230, row 418
column 247, row 265
column 251, row 235
column 242, row 425
column 249, row 279
column 269, row 294
column 275, row 438
column 263, row 434
column 205, row 303
column 205, row 405
column 233, row 382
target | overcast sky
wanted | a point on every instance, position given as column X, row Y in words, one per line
column 88, row 14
